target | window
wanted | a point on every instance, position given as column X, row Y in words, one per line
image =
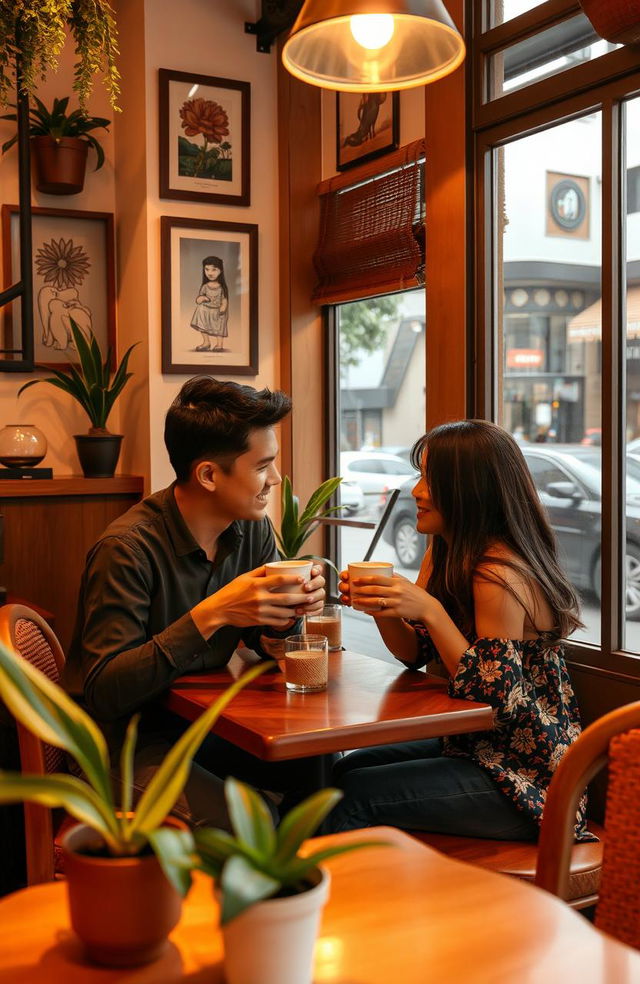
column 559, row 365
column 380, row 346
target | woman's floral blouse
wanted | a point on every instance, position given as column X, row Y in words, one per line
column 535, row 715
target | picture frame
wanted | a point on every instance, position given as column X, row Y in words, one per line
column 73, row 268
column 209, row 310
column 205, row 138
column 367, row 126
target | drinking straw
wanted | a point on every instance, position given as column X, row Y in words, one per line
column 391, row 501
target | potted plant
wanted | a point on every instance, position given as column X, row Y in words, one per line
column 34, row 33
column 91, row 385
column 296, row 527
column 124, row 889
column 60, row 144
column 271, row 897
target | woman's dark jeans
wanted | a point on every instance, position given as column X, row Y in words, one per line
column 415, row 787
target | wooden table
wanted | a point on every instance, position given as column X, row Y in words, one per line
column 402, row 913
column 367, row 702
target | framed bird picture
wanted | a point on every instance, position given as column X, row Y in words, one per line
column 367, row 126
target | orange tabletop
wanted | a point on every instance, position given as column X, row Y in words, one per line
column 402, row 913
column 367, row 702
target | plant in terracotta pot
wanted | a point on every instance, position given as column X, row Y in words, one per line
column 60, row 143
column 34, row 33
column 271, row 896
column 124, row 887
column 90, row 383
column 296, row 527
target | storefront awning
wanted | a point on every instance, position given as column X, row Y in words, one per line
column 587, row 326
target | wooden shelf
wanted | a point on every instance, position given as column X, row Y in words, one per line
column 19, row 488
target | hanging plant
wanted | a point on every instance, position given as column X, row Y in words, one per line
column 35, row 31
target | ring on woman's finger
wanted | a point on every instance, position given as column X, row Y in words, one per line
column 382, row 602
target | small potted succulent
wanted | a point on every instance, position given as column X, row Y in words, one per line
column 124, row 887
column 60, row 143
column 271, row 896
column 90, row 383
column 296, row 527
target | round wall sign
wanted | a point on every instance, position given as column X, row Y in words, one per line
column 568, row 204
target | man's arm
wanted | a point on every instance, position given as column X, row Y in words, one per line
column 121, row 667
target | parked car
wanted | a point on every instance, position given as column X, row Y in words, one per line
column 569, row 481
column 351, row 497
column 375, row 471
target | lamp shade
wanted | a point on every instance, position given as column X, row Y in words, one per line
column 372, row 45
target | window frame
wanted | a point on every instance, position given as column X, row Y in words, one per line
column 603, row 85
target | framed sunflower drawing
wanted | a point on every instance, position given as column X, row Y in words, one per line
column 204, row 133
column 73, row 278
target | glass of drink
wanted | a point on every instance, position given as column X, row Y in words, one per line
column 306, row 663
column 327, row 623
column 367, row 568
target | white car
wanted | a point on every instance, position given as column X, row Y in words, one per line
column 351, row 497
column 375, row 471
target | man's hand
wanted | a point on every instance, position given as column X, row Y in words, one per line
column 252, row 599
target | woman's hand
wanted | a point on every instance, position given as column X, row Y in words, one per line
column 393, row 598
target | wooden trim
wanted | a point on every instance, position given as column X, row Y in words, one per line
column 284, row 256
column 23, row 488
column 408, row 154
column 530, row 22
column 446, row 268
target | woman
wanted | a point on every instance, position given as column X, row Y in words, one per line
column 491, row 604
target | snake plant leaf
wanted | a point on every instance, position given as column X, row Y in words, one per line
column 217, row 845
column 243, row 885
column 87, row 360
column 175, row 850
column 302, row 821
column 300, row 867
column 68, row 792
column 168, row 782
column 250, row 817
column 127, row 754
column 319, row 497
column 47, row 711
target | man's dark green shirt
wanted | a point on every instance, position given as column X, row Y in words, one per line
column 134, row 634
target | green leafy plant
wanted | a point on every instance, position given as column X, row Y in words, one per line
column 58, row 125
column 89, row 383
column 34, row 32
column 259, row 862
column 296, row 527
column 47, row 711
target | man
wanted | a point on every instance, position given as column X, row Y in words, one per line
column 178, row 581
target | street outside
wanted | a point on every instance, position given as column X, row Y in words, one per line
column 360, row 632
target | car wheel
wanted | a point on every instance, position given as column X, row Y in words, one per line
column 407, row 543
column 632, row 581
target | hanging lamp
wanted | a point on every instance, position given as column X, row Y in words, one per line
column 372, row 45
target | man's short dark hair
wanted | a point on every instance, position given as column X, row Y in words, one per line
column 210, row 419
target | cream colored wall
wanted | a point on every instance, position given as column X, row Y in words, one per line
column 204, row 37
column 56, row 414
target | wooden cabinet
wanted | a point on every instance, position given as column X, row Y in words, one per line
column 49, row 525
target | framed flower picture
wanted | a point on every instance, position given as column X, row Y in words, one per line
column 367, row 126
column 73, row 278
column 209, row 273
column 204, row 138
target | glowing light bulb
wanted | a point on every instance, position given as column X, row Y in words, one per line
column 372, row 31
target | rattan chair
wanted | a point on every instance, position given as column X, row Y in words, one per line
column 28, row 634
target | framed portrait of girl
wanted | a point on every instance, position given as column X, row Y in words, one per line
column 209, row 274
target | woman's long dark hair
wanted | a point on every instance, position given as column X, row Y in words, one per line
column 216, row 262
column 480, row 483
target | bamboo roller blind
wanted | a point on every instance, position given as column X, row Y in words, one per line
column 372, row 229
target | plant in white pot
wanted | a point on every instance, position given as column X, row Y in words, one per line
column 92, row 385
column 124, row 887
column 271, row 897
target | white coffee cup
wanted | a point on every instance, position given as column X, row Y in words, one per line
column 300, row 567
column 368, row 568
